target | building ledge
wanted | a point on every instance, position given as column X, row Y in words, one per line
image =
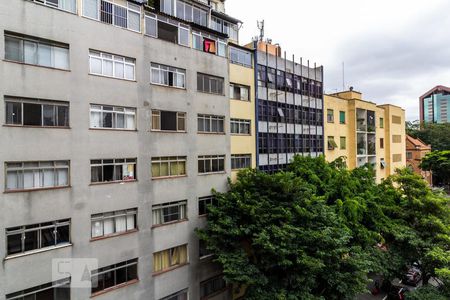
column 116, row 287
column 100, row 238
column 32, row 252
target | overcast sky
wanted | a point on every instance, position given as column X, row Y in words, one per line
column 394, row 50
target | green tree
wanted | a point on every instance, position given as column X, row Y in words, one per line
column 436, row 135
column 439, row 163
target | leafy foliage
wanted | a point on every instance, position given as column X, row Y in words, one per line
column 439, row 163
column 317, row 230
column 436, row 135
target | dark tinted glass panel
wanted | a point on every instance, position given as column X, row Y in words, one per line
column 168, row 120
column 63, row 116
column 108, row 173
column 63, row 234
column 31, row 240
column 132, row 272
column 121, row 276
column 13, row 113
column 14, row 244
column 167, row 32
column 47, row 237
column 32, row 114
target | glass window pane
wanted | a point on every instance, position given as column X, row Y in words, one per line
column 30, row 52
column 107, row 68
column 61, row 58
column 96, row 65
column 13, row 113
column 90, row 8
column 14, row 244
column 118, row 70
column 49, row 115
column 47, row 237
column 45, row 55
column 13, row 49
column 32, row 114
column 134, row 21
column 129, row 72
column 63, row 116
column 63, row 235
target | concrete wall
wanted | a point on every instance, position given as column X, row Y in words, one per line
column 79, row 145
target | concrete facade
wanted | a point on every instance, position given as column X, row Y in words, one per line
column 79, row 144
column 379, row 142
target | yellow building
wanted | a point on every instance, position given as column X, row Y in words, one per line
column 364, row 132
column 242, row 109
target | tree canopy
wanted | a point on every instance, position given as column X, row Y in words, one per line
column 439, row 163
column 436, row 135
column 317, row 230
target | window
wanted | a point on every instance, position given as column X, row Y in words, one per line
column 128, row 17
column 170, row 258
column 343, row 142
column 331, row 143
column 168, row 76
column 396, row 139
column 209, row 84
column 67, row 5
column 111, row 65
column 182, row 295
column 115, row 275
column 34, row 112
column 241, row 57
column 172, row 166
column 239, row 92
column 409, row 155
column 396, row 120
column 342, row 117
column 204, row 202
column 241, row 161
column 112, row 117
column 211, row 124
column 203, row 251
column 169, row 212
column 396, row 157
column 54, row 290
column 381, row 143
column 211, row 164
column 221, row 48
column 26, row 238
column 36, row 51
column 239, row 126
column 113, row 223
column 381, row 123
column 184, row 11
column 212, row 286
column 383, row 163
column 168, row 121
column 113, row 170
column 167, row 29
column 37, row 175
column 330, row 116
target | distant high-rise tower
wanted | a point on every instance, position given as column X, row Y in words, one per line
column 434, row 105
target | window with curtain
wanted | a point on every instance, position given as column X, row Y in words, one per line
column 113, row 170
column 36, row 175
column 113, row 223
column 36, row 112
column 112, row 117
column 170, row 258
column 111, row 65
column 28, row 238
column 36, row 51
column 168, row 76
column 169, row 212
column 171, row 166
column 114, row 275
column 241, row 161
column 59, row 290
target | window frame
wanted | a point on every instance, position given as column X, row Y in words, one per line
column 20, row 295
column 114, row 59
column 161, row 69
column 215, row 292
column 38, row 228
column 211, row 159
column 44, row 3
column 113, row 269
column 116, row 110
column 238, row 123
column 343, row 145
column 101, row 217
column 169, row 160
column 342, row 117
column 209, row 119
column 183, row 293
column 241, row 87
column 38, row 42
column 42, row 103
column 180, row 116
column 204, row 202
column 182, row 213
column 330, row 113
column 114, row 162
column 220, row 81
column 40, row 167
column 172, row 265
column 240, row 158
column 238, row 61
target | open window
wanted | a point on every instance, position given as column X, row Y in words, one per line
column 168, row 32
column 331, row 143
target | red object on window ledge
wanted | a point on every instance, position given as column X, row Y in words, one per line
column 209, row 46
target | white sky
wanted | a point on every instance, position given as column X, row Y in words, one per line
column 394, row 50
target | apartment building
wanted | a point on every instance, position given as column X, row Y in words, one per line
column 435, row 105
column 114, row 131
column 364, row 133
column 289, row 107
column 242, row 113
column 416, row 150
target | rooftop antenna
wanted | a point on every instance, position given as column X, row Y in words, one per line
column 261, row 30
column 343, row 76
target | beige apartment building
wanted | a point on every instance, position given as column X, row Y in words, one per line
column 364, row 132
